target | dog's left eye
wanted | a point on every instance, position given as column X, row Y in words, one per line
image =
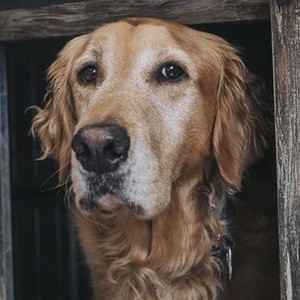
column 88, row 74
column 171, row 72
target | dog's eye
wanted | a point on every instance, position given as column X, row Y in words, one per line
column 88, row 74
column 171, row 72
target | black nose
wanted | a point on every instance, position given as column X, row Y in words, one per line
column 101, row 148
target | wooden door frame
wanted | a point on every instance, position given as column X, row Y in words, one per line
column 6, row 266
column 285, row 24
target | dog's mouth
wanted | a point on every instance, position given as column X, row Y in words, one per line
column 99, row 187
column 106, row 193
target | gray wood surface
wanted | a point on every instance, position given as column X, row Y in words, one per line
column 6, row 270
column 77, row 18
column 286, row 60
column 17, row 4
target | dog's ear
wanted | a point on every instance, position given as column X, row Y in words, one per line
column 54, row 124
column 238, row 137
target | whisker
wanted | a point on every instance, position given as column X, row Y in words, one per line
column 67, row 197
column 59, row 186
column 56, row 172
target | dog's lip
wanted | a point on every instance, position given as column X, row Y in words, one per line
column 120, row 201
column 106, row 186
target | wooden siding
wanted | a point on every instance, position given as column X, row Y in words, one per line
column 6, row 274
column 286, row 64
column 77, row 18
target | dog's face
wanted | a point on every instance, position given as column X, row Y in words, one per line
column 138, row 103
column 146, row 83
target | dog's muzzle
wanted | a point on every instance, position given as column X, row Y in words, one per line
column 101, row 148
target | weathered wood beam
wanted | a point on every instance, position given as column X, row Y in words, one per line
column 6, row 268
column 285, row 20
column 78, row 18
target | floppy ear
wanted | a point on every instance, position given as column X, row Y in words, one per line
column 54, row 124
column 238, row 137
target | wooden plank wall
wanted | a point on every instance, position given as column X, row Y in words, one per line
column 78, row 18
column 6, row 270
column 286, row 61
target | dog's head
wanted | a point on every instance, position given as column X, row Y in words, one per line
column 138, row 103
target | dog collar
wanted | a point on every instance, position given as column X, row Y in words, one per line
column 224, row 251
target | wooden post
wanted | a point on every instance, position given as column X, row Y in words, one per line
column 6, row 268
column 285, row 21
column 68, row 19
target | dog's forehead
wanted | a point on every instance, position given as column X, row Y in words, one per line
column 122, row 34
column 122, row 45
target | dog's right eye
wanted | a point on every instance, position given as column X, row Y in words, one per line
column 171, row 72
column 87, row 75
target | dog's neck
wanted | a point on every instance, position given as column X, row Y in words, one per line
column 157, row 258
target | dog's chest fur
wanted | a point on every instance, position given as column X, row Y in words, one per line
column 166, row 258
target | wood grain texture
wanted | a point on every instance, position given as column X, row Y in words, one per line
column 17, row 4
column 286, row 61
column 78, row 18
column 6, row 269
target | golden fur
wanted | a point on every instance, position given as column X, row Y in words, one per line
column 166, row 254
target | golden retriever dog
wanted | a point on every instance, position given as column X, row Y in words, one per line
column 154, row 124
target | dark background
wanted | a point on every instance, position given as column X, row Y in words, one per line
column 47, row 261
